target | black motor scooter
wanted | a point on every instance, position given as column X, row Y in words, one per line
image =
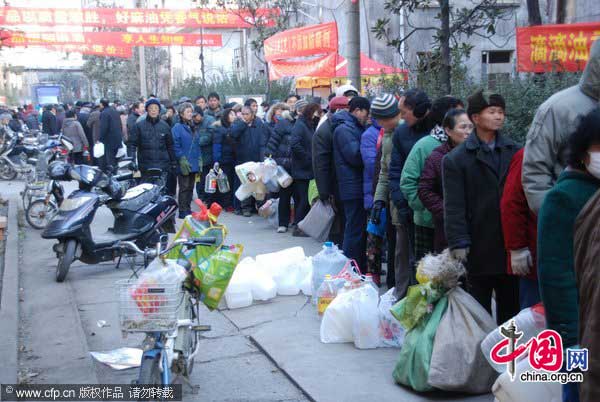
column 141, row 215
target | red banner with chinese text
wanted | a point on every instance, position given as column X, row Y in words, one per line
column 115, row 39
column 305, row 41
column 95, row 50
column 555, row 47
column 131, row 17
column 323, row 66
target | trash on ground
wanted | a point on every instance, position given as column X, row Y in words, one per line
column 120, row 359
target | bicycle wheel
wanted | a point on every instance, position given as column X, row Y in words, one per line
column 6, row 171
column 39, row 213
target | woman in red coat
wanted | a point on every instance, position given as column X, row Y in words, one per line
column 519, row 225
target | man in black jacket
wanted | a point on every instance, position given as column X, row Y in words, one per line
column 110, row 134
column 324, row 168
column 49, row 125
column 152, row 143
column 137, row 109
column 474, row 174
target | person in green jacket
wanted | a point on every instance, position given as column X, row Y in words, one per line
column 411, row 173
column 556, row 220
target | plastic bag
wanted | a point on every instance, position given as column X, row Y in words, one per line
column 165, row 273
column 336, row 326
column 365, row 326
column 318, row 221
column 98, row 150
column 214, row 273
column 456, row 363
column 416, row 305
column 122, row 151
column 390, row 330
column 412, row 368
column 441, row 269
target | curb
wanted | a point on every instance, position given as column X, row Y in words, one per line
column 9, row 304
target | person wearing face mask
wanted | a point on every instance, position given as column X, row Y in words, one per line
column 568, row 284
column 519, row 224
column 302, row 171
column 457, row 127
column 474, row 174
column 423, row 228
column 189, row 157
column 152, row 143
column 348, row 127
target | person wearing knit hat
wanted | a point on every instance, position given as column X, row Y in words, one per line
column 476, row 171
column 337, row 103
column 384, row 107
column 299, row 106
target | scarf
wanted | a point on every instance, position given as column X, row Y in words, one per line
column 439, row 134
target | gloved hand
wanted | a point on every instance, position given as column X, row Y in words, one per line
column 376, row 211
column 184, row 165
column 460, row 254
column 521, row 261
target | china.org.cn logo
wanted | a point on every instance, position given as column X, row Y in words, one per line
column 545, row 356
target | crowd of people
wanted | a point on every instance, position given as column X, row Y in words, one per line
column 441, row 173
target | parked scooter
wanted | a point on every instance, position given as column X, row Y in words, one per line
column 140, row 215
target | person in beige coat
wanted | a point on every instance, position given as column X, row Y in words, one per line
column 73, row 130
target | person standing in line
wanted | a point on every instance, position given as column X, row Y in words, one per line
column 204, row 131
column 189, row 157
column 301, row 152
column 74, row 132
column 474, row 174
column 93, row 124
column 348, row 128
column 224, row 153
column 110, row 135
column 457, row 126
column 200, row 101
column 214, row 106
column 49, row 125
column 279, row 148
column 137, row 109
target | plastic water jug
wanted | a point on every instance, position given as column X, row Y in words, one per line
column 330, row 261
column 506, row 390
column 283, row 177
column 238, row 295
column 210, row 185
column 223, row 182
column 530, row 321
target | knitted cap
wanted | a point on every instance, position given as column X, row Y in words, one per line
column 384, row 106
column 338, row 102
column 481, row 100
column 300, row 104
column 152, row 101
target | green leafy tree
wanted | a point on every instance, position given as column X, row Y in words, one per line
column 452, row 28
column 113, row 77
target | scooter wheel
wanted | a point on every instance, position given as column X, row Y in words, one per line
column 65, row 260
column 6, row 171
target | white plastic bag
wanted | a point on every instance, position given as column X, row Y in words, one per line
column 456, row 362
column 122, row 151
column 318, row 221
column 336, row 326
column 365, row 328
column 163, row 272
column 98, row 150
column 390, row 330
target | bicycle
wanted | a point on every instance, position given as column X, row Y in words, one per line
column 43, row 209
column 167, row 312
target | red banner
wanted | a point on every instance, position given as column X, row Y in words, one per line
column 562, row 47
column 132, row 17
column 304, row 41
column 115, row 39
column 323, row 66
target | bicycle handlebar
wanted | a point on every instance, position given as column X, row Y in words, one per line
column 152, row 252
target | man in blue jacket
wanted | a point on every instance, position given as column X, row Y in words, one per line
column 414, row 110
column 348, row 128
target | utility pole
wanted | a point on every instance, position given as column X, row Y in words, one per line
column 353, row 41
column 143, row 88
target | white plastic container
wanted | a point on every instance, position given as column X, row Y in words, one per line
column 530, row 321
column 330, row 261
column 506, row 390
column 238, row 295
column 272, row 263
column 263, row 286
column 244, row 191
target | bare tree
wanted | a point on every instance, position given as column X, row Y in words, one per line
column 455, row 25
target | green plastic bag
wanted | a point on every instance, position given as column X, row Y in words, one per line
column 313, row 192
column 212, row 274
column 413, row 364
column 417, row 304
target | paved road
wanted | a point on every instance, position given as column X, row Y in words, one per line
column 267, row 352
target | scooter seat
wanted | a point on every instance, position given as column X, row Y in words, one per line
column 137, row 197
column 109, row 237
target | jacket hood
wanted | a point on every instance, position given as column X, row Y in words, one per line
column 343, row 117
column 68, row 121
column 279, row 105
column 590, row 80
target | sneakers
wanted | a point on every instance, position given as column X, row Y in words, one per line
column 282, row 229
column 299, row 233
column 247, row 214
column 238, row 212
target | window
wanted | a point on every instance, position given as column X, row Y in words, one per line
column 496, row 56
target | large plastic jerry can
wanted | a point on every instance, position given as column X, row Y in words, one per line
column 506, row 390
column 329, row 261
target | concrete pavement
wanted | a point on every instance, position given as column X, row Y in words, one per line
column 267, row 352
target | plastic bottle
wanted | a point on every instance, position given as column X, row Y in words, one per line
column 330, row 261
column 370, row 282
column 223, row 182
column 325, row 295
column 210, row 185
column 283, row 177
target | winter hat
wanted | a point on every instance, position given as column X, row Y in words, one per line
column 152, row 101
column 300, row 104
column 384, row 106
column 481, row 100
column 341, row 91
column 338, row 102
